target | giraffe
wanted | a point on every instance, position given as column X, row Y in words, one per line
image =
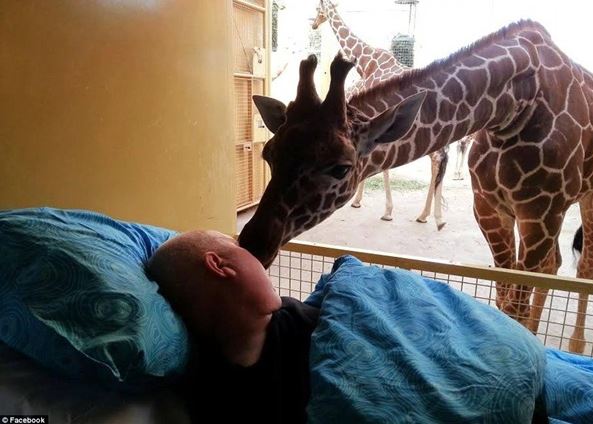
column 528, row 104
column 375, row 65
column 463, row 146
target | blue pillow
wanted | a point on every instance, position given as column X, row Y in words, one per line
column 75, row 297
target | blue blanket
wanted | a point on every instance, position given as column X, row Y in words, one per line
column 568, row 387
column 394, row 347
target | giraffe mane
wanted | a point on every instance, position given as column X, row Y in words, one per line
column 409, row 77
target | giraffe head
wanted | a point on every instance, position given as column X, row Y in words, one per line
column 321, row 17
column 316, row 156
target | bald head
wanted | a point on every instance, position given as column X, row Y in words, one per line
column 183, row 256
column 221, row 291
column 178, row 268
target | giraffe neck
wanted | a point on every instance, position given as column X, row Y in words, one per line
column 352, row 46
column 492, row 85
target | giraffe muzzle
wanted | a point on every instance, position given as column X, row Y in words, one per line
column 262, row 241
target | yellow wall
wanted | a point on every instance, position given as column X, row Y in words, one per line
column 119, row 106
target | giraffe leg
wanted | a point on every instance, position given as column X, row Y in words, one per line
column 422, row 218
column 462, row 162
column 538, row 252
column 584, row 270
column 540, row 294
column 498, row 230
column 388, row 198
column 463, row 159
column 459, row 162
column 358, row 196
column 438, row 206
column 439, row 167
column 577, row 340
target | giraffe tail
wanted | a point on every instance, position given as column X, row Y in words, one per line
column 442, row 169
column 577, row 241
column 463, row 143
column 441, row 175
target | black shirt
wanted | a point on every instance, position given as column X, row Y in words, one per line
column 273, row 390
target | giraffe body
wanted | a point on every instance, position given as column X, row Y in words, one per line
column 375, row 65
column 528, row 104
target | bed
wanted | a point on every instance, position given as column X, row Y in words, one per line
column 28, row 388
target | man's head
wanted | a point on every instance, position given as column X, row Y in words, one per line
column 209, row 280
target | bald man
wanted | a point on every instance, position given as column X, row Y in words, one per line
column 250, row 360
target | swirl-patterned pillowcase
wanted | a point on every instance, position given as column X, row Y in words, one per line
column 74, row 296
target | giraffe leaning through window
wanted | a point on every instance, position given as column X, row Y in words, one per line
column 528, row 105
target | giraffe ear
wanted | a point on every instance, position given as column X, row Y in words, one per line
column 272, row 111
column 396, row 121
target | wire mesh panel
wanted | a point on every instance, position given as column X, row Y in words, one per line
column 243, row 110
column 250, row 77
column 259, row 140
column 259, row 171
column 258, row 86
column 243, row 134
column 295, row 274
column 299, row 266
column 243, row 175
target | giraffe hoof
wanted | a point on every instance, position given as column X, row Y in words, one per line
column 355, row 205
column 387, row 218
column 440, row 226
column 576, row 345
column 422, row 221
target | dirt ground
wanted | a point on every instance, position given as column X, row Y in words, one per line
column 459, row 241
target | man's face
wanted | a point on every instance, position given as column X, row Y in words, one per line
column 251, row 280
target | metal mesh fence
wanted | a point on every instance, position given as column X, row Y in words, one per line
column 297, row 269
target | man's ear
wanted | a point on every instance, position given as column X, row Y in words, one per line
column 272, row 111
column 217, row 266
column 394, row 123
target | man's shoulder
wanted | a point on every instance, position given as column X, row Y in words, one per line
column 295, row 312
column 295, row 306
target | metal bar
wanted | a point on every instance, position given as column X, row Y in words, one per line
column 475, row 271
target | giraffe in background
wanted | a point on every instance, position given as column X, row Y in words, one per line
column 532, row 156
column 375, row 65
column 463, row 146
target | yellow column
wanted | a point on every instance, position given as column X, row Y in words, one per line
column 122, row 107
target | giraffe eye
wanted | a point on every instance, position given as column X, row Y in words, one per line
column 339, row 171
